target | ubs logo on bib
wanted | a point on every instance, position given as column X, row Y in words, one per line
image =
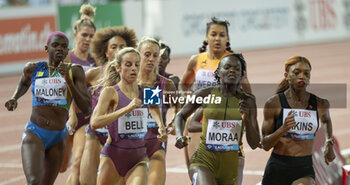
column 216, row 125
column 152, row 96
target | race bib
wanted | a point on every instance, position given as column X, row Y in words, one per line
column 53, row 88
column 132, row 125
column 223, row 135
column 204, row 79
column 306, row 123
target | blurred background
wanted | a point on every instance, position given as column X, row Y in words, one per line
column 255, row 24
column 267, row 32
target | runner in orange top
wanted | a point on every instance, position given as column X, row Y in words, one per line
column 200, row 73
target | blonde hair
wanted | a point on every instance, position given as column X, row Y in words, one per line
column 87, row 12
column 148, row 40
column 111, row 75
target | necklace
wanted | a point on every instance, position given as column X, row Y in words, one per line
column 51, row 67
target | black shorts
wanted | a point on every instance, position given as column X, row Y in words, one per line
column 283, row 170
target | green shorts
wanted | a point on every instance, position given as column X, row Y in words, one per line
column 223, row 164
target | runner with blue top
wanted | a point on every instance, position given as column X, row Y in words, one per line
column 54, row 85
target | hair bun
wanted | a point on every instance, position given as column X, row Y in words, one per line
column 87, row 11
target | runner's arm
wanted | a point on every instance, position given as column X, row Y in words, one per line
column 189, row 75
column 195, row 125
column 78, row 88
column 270, row 136
column 22, row 87
column 251, row 122
column 187, row 110
column 325, row 118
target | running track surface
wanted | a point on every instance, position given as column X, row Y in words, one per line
column 330, row 64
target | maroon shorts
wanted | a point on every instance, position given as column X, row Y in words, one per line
column 124, row 159
column 102, row 137
column 83, row 119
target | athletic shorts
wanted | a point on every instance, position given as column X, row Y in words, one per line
column 283, row 170
column 222, row 164
column 102, row 137
column 49, row 137
column 124, row 159
column 83, row 119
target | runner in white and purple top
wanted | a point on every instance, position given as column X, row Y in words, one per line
column 128, row 146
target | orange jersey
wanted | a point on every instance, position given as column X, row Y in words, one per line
column 204, row 71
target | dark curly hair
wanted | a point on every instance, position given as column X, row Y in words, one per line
column 100, row 40
column 240, row 57
column 214, row 21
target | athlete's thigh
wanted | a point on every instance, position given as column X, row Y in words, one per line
column 304, row 181
column 158, row 159
column 156, row 173
column 201, row 175
column 90, row 160
column 192, row 146
column 67, row 153
column 239, row 178
column 33, row 156
column 53, row 161
column 79, row 141
column 108, row 173
column 137, row 175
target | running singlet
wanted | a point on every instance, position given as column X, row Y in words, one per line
column 205, row 71
column 222, row 124
column 88, row 64
column 94, row 100
column 129, row 130
column 50, row 89
column 306, row 119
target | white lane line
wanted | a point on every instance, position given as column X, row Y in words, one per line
column 10, row 165
column 345, row 152
column 12, row 128
column 184, row 170
column 253, row 172
column 176, row 170
column 9, row 148
column 12, row 180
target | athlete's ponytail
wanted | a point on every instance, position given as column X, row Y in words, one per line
column 228, row 48
column 284, row 85
column 204, row 47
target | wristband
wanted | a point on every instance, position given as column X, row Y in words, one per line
column 330, row 140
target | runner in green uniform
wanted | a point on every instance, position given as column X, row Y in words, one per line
column 226, row 114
